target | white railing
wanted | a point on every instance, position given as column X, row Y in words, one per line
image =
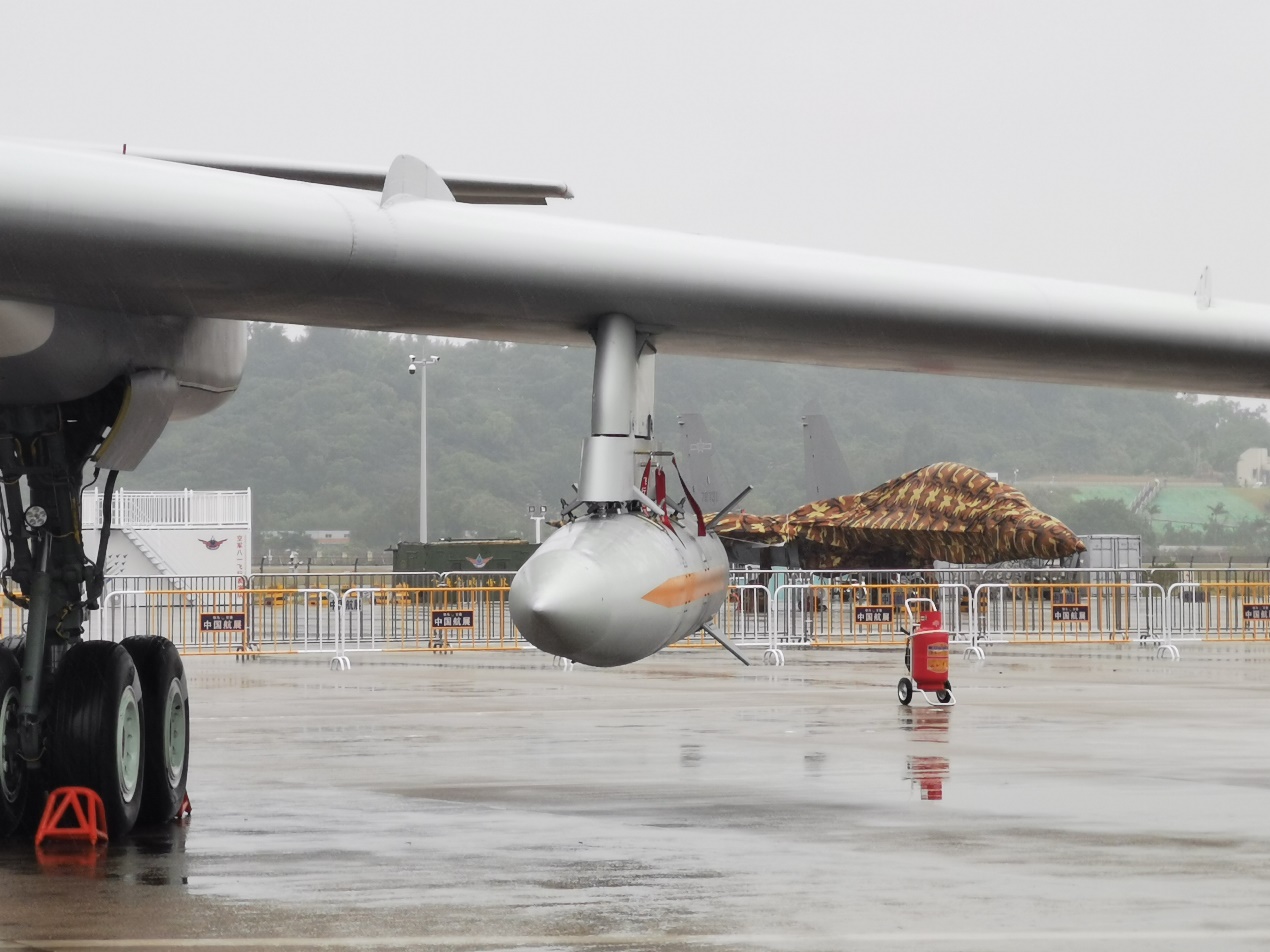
column 186, row 509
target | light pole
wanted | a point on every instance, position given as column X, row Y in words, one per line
column 538, row 513
column 421, row 364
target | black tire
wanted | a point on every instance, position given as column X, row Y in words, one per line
column 905, row 691
column 98, row 729
column 943, row 697
column 17, row 805
column 167, row 725
column 15, row 644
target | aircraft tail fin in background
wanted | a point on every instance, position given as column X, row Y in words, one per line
column 826, row 469
column 700, row 469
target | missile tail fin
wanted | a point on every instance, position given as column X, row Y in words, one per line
column 727, row 644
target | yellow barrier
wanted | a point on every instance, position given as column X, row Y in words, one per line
column 197, row 621
column 288, row 620
column 824, row 615
column 1044, row 613
column 471, row 613
column 441, row 618
column 1220, row 611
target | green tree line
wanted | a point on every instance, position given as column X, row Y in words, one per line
column 325, row 431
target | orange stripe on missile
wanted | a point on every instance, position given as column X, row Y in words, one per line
column 679, row 591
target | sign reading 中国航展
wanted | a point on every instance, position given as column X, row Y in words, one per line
column 874, row 614
column 452, row 618
column 1256, row 611
column 222, row 621
column 1070, row 612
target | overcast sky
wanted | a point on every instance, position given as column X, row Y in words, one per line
column 1116, row 142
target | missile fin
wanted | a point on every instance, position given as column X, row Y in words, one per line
column 727, row 644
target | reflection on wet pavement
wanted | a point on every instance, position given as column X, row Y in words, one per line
column 683, row 803
column 928, row 774
column 926, row 723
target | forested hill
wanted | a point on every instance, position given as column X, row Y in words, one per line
column 325, row 431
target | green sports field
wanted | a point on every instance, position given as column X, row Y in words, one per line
column 1184, row 503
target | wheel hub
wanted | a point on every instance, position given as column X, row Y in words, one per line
column 128, row 746
column 10, row 778
column 174, row 733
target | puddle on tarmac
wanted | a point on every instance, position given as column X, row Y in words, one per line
column 154, row 856
column 928, row 724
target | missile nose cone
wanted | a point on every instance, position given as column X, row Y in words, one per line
column 559, row 603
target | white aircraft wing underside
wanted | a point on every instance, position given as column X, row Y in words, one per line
column 131, row 235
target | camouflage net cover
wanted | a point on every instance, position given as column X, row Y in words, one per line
column 945, row 511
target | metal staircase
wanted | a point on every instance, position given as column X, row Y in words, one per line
column 1146, row 496
column 149, row 551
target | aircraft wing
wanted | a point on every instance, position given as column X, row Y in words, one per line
column 124, row 234
column 474, row 189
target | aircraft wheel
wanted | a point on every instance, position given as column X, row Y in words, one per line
column 167, row 725
column 905, row 691
column 15, row 644
column 98, row 732
column 16, row 802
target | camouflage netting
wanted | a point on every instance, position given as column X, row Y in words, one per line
column 946, row 511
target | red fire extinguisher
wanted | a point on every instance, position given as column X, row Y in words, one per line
column 926, row 658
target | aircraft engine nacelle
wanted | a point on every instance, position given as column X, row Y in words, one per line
column 611, row 589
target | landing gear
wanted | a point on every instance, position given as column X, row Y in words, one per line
column 97, row 738
column 76, row 713
column 167, row 726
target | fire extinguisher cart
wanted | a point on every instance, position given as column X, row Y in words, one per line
column 926, row 659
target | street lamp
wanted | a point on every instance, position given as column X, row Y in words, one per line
column 422, row 363
column 538, row 513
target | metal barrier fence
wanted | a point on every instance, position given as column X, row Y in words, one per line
column 468, row 611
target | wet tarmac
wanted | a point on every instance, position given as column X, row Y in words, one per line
column 1071, row 799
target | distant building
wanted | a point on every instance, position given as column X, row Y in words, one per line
column 185, row 534
column 1253, row 468
column 329, row 536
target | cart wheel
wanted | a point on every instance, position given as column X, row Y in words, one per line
column 943, row 697
column 905, row 691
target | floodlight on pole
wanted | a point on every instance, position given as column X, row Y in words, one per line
column 421, row 364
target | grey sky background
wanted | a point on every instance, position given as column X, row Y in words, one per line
column 1112, row 141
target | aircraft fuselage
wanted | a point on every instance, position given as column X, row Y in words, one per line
column 55, row 354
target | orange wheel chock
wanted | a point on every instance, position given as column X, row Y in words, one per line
column 185, row 809
column 75, row 814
